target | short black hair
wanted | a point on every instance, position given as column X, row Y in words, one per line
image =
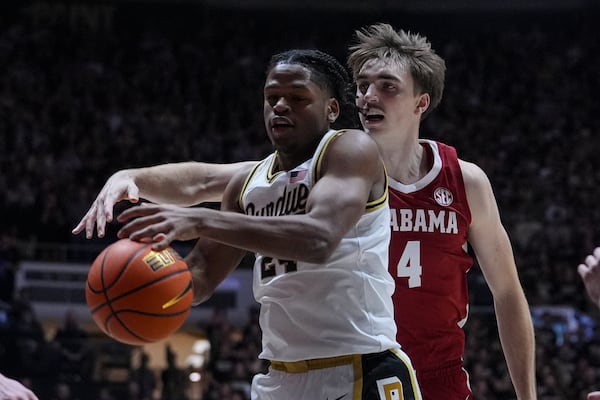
column 328, row 73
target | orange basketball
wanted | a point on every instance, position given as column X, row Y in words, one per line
column 137, row 295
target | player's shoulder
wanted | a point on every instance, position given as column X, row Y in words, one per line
column 477, row 187
column 472, row 173
column 241, row 177
column 354, row 140
column 350, row 150
column 245, row 170
column 350, row 131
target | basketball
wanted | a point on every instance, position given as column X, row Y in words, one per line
column 137, row 295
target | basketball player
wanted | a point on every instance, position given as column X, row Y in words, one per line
column 321, row 259
column 589, row 271
column 11, row 389
column 439, row 205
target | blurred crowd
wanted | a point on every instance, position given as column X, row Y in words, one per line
column 88, row 90
column 70, row 362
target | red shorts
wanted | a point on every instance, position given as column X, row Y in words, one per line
column 450, row 382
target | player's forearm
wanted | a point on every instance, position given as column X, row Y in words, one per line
column 210, row 263
column 518, row 343
column 291, row 237
column 185, row 183
column 203, row 287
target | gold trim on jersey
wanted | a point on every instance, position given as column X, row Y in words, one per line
column 271, row 176
column 303, row 366
column 358, row 378
column 318, row 158
column 413, row 377
column 317, row 162
column 372, row 205
column 376, row 204
column 298, row 367
column 245, row 185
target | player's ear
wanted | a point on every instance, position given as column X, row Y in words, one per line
column 333, row 110
column 423, row 103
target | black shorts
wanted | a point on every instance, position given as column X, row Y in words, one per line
column 388, row 375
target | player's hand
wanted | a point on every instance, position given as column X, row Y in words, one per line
column 13, row 390
column 161, row 224
column 120, row 186
column 590, row 274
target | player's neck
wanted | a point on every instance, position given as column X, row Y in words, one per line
column 285, row 161
column 407, row 161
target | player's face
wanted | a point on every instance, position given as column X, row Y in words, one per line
column 386, row 97
column 296, row 110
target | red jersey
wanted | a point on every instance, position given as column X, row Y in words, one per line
column 429, row 261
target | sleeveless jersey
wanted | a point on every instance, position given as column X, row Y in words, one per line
column 341, row 307
column 429, row 260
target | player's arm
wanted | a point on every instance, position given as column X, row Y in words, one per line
column 11, row 389
column 494, row 253
column 210, row 262
column 350, row 170
column 184, row 184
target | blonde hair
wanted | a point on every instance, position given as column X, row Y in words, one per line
column 409, row 50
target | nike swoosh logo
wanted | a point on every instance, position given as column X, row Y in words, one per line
column 339, row 398
column 176, row 299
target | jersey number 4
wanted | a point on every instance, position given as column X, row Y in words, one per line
column 409, row 265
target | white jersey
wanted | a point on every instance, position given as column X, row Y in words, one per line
column 308, row 310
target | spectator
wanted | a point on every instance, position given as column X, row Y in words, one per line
column 104, row 393
column 26, row 342
column 174, row 380
column 9, row 261
column 75, row 353
column 63, row 391
column 144, row 377
column 134, row 392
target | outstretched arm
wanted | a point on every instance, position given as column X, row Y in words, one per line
column 494, row 254
column 184, row 184
column 352, row 166
column 210, row 262
column 11, row 389
column 590, row 274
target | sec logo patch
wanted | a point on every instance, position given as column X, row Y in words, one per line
column 443, row 196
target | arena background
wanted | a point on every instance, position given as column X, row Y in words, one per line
column 88, row 88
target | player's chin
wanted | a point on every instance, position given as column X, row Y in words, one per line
column 372, row 125
column 372, row 129
column 282, row 134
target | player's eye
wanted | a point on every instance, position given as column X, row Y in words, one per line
column 386, row 85
column 363, row 87
column 272, row 99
